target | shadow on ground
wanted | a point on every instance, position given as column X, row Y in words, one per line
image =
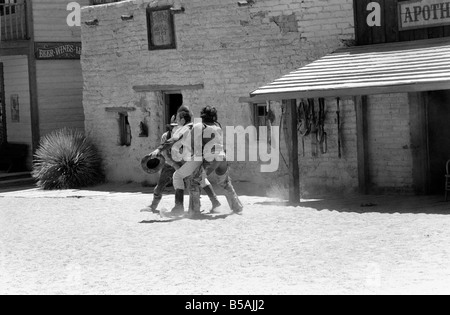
column 201, row 217
column 242, row 188
column 388, row 204
column 342, row 203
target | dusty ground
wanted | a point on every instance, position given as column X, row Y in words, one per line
column 97, row 242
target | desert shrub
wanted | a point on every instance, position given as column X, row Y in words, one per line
column 67, row 159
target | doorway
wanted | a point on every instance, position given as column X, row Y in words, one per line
column 3, row 138
column 173, row 101
column 438, row 108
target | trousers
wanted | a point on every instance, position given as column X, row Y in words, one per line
column 164, row 180
column 222, row 171
column 185, row 171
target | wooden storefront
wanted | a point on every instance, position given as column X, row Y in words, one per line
column 42, row 80
column 401, row 47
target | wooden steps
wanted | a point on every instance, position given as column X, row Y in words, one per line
column 8, row 180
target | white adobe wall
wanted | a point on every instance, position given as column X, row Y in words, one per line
column 231, row 50
column 389, row 148
column 327, row 173
column 389, row 142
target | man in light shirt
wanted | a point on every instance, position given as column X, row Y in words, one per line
column 183, row 169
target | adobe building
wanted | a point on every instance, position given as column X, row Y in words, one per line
column 40, row 77
column 386, row 130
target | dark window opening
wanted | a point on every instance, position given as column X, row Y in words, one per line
column 173, row 103
column 124, row 130
column 261, row 116
column 5, row 8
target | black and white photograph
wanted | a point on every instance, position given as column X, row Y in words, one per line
column 224, row 152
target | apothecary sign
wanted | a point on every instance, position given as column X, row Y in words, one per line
column 423, row 14
column 61, row 50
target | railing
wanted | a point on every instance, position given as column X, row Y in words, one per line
column 98, row 2
column 13, row 21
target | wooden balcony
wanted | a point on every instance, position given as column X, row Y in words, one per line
column 13, row 21
column 98, row 2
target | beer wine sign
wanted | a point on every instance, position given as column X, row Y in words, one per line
column 423, row 14
column 60, row 50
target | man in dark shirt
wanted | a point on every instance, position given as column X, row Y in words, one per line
column 167, row 172
column 184, row 116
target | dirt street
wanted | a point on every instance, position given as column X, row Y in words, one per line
column 97, row 242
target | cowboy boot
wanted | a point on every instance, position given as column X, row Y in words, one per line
column 179, row 202
column 232, row 198
column 155, row 204
column 213, row 197
column 194, row 200
column 194, row 204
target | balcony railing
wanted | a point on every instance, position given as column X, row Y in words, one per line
column 97, row 2
column 13, row 21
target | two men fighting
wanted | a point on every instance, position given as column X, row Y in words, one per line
column 188, row 161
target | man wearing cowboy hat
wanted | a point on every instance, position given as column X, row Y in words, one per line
column 184, row 126
column 167, row 171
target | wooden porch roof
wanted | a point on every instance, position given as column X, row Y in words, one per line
column 414, row 66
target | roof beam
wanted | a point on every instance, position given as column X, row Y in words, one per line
column 347, row 92
column 157, row 88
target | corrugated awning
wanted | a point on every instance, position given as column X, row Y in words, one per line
column 364, row 70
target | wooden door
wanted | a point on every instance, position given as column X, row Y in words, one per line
column 2, row 107
column 173, row 101
column 439, row 137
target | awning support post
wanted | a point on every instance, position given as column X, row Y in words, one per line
column 362, row 143
column 292, row 139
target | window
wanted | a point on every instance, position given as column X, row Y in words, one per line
column 161, row 28
column 264, row 116
column 124, row 130
column 261, row 115
column 7, row 7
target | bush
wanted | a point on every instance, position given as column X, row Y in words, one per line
column 66, row 159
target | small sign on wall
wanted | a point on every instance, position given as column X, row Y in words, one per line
column 60, row 50
column 161, row 29
column 15, row 111
column 423, row 14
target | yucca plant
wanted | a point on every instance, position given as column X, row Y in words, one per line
column 67, row 159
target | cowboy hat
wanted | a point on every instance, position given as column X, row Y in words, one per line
column 152, row 165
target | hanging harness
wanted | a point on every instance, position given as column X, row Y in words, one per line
column 310, row 124
column 322, row 136
column 338, row 113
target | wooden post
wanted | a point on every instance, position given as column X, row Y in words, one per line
column 32, row 77
column 362, row 145
column 292, row 139
column 3, row 130
column 419, row 141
